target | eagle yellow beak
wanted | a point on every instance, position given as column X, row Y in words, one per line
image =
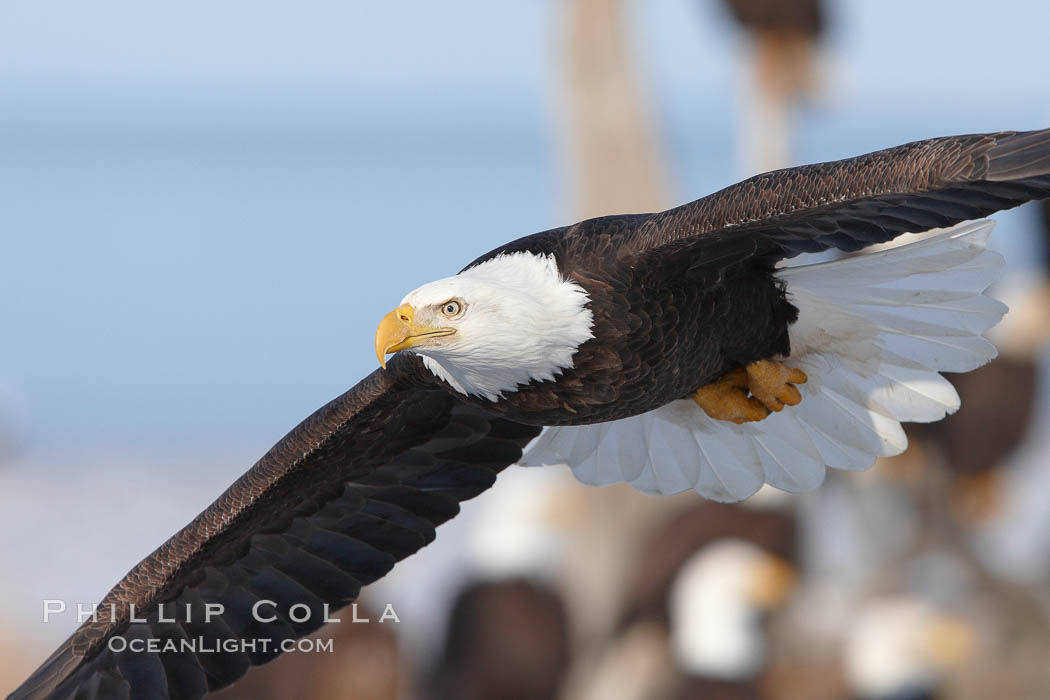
column 398, row 330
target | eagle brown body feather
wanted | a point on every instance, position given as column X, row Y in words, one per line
column 678, row 297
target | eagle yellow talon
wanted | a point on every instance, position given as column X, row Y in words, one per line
column 727, row 399
column 773, row 383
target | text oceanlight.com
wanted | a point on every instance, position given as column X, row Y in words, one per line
column 202, row 645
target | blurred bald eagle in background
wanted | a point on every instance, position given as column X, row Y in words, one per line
column 668, row 350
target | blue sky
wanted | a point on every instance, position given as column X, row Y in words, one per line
column 206, row 207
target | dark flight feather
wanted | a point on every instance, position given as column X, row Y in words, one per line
column 333, row 506
column 853, row 203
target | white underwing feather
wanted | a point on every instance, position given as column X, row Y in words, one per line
column 874, row 331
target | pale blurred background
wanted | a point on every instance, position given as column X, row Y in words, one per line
column 206, row 207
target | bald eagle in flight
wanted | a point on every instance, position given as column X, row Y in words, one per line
column 668, row 350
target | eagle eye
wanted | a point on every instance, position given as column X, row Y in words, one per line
column 452, row 308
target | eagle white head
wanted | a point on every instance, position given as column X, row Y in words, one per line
column 502, row 323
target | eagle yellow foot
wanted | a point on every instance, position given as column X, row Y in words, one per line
column 748, row 394
column 727, row 399
column 773, row 383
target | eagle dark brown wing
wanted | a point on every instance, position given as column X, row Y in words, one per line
column 853, row 203
column 356, row 487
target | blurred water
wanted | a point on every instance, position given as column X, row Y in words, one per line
column 170, row 279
